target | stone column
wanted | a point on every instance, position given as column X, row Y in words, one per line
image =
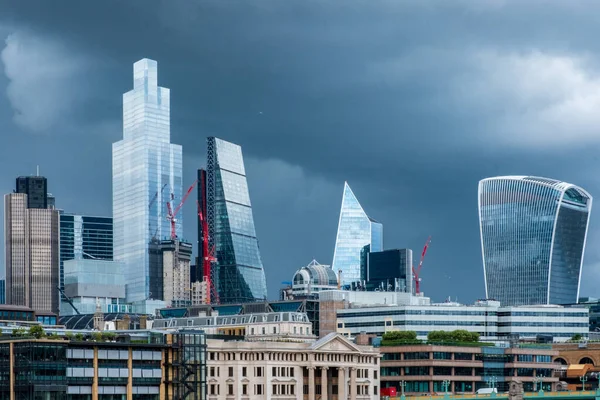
column 342, row 384
column 324, row 385
column 353, row 383
column 311, row 383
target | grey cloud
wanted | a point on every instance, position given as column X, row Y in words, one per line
column 411, row 102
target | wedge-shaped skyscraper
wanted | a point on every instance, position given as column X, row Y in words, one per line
column 533, row 233
column 355, row 231
column 238, row 274
column 147, row 171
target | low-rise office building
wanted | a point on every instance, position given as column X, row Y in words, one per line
column 165, row 366
column 487, row 318
column 424, row 368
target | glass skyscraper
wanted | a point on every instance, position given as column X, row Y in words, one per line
column 238, row 273
column 533, row 233
column 143, row 163
column 355, row 231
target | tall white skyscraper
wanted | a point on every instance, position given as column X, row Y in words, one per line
column 147, row 173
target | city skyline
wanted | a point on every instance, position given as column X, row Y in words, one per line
column 413, row 122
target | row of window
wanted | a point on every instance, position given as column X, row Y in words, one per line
column 464, row 371
column 439, row 355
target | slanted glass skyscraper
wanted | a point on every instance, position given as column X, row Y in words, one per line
column 238, row 274
column 533, row 233
column 355, row 230
column 147, row 173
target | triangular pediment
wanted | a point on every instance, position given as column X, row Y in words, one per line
column 335, row 342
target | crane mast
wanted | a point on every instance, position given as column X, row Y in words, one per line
column 417, row 272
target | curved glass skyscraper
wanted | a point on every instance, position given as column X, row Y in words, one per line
column 533, row 233
column 355, row 231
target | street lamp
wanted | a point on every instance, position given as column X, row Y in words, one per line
column 536, row 380
column 402, row 385
column 445, row 385
column 491, row 381
column 583, row 380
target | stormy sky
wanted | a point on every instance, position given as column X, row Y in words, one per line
column 411, row 102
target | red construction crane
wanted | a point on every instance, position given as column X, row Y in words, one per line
column 418, row 270
column 171, row 214
column 209, row 258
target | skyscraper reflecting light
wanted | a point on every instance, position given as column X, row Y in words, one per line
column 355, row 230
column 238, row 273
column 143, row 163
column 533, row 233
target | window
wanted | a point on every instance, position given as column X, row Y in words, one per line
column 274, row 329
column 244, row 390
column 525, row 358
column 230, row 390
column 244, row 370
column 230, row 371
column 214, row 390
column 274, row 372
column 438, row 355
column 252, row 331
column 264, row 331
column 258, row 390
column 463, row 356
column 258, row 372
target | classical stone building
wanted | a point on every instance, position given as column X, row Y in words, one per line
column 331, row 368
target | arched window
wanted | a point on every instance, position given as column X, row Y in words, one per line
column 586, row 360
column 561, row 361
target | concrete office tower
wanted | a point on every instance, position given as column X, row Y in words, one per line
column 176, row 257
column 238, row 273
column 31, row 249
column 147, row 172
column 533, row 233
column 355, row 231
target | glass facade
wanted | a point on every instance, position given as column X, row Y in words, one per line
column 355, row 230
column 533, row 233
column 84, row 237
column 390, row 270
column 147, row 173
column 238, row 274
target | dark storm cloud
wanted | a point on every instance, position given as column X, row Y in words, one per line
column 412, row 103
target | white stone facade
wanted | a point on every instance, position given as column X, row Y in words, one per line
column 287, row 370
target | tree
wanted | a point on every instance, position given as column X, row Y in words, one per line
column 97, row 336
column 576, row 337
column 459, row 335
column 19, row 332
column 79, row 337
column 400, row 335
column 108, row 336
column 37, row 331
